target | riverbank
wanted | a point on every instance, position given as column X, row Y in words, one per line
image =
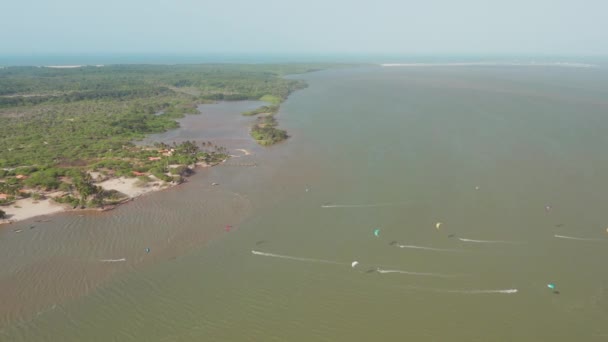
column 118, row 185
column 67, row 253
column 125, row 189
column 27, row 208
column 94, row 126
column 129, row 188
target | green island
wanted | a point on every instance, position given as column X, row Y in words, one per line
column 65, row 130
column 264, row 131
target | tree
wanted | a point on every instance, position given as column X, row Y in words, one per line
column 2, row 214
column 187, row 147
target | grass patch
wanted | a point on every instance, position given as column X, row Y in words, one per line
column 270, row 110
column 271, row 99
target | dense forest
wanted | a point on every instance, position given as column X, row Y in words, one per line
column 33, row 85
column 56, row 123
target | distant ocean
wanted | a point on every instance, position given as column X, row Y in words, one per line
column 106, row 59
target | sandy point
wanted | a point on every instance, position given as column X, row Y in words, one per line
column 245, row 153
column 128, row 186
column 27, row 208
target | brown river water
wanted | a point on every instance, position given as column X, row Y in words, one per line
column 511, row 161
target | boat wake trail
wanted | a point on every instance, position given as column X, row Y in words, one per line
column 465, row 292
column 113, row 260
column 578, row 238
column 505, row 291
column 381, row 271
column 372, row 205
column 429, row 248
column 296, row 258
column 491, row 241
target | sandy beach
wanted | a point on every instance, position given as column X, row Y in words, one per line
column 244, row 151
column 128, row 187
column 23, row 209
column 27, row 208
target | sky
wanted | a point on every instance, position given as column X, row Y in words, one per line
column 424, row 27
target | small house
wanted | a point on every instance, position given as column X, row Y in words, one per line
column 167, row 153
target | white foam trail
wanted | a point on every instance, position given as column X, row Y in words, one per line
column 428, row 248
column 362, row 205
column 245, row 153
column 354, row 263
column 505, row 291
column 113, row 260
column 296, row 258
column 466, row 292
column 577, row 238
column 489, row 241
column 415, row 273
column 243, row 150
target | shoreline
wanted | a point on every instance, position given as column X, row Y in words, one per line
column 151, row 175
column 27, row 208
column 120, row 239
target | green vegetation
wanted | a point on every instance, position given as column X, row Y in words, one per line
column 77, row 185
column 52, row 116
column 271, row 99
column 271, row 110
column 264, row 131
column 56, row 125
column 33, row 85
column 268, row 135
column 69, row 133
column 2, row 214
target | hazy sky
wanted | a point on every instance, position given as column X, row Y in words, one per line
column 428, row 27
